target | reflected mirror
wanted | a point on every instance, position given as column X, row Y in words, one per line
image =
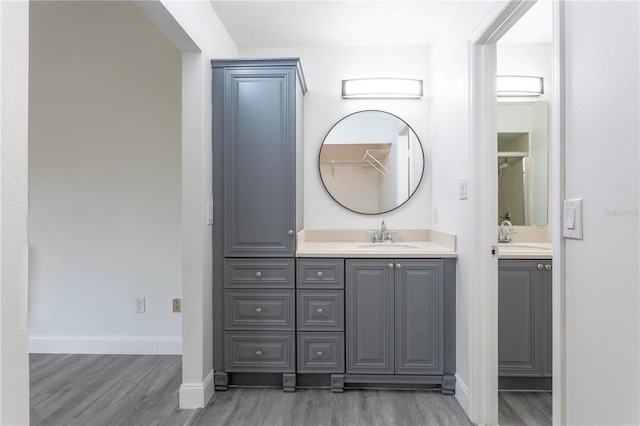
column 523, row 145
column 371, row 162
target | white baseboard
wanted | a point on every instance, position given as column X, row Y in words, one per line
column 196, row 395
column 462, row 395
column 136, row 345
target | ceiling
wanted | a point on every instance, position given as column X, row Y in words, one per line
column 308, row 23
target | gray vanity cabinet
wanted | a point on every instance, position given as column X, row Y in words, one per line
column 395, row 316
column 257, row 182
column 524, row 323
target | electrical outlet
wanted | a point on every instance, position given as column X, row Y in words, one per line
column 140, row 305
column 177, row 305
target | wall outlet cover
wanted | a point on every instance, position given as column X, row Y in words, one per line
column 176, row 305
column 140, row 305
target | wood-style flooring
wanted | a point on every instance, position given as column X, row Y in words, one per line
column 111, row 390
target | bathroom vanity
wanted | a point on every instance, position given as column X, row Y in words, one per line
column 524, row 317
column 399, row 306
column 296, row 307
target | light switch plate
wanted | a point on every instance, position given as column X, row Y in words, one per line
column 572, row 219
column 463, row 188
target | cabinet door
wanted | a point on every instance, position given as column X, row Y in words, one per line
column 547, row 330
column 418, row 317
column 369, row 319
column 259, row 166
column 519, row 319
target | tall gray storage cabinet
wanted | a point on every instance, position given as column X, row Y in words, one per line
column 257, row 184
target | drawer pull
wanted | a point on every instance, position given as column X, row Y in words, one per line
column 319, row 311
column 390, row 266
column 319, row 354
column 319, row 274
column 258, row 352
column 398, row 266
column 539, row 266
column 258, row 310
column 258, row 274
column 290, row 232
column 547, row 267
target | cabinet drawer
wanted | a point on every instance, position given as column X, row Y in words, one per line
column 320, row 273
column 259, row 352
column 321, row 310
column 321, row 352
column 259, row 309
column 259, row 273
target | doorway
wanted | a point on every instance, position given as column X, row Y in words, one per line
column 484, row 180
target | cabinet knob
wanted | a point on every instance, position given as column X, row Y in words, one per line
column 319, row 274
column 398, row 266
column 319, row 354
column 319, row 311
column 390, row 265
column 540, row 266
column 258, row 310
column 547, row 267
column 258, row 274
column 258, row 352
column 290, row 232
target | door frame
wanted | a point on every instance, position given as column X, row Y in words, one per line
column 483, row 268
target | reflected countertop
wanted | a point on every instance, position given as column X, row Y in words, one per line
column 407, row 243
column 524, row 250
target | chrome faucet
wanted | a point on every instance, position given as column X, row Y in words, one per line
column 384, row 236
column 505, row 237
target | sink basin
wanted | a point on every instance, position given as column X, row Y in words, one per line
column 382, row 247
column 523, row 248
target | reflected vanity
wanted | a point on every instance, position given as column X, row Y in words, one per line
column 524, row 268
column 371, row 162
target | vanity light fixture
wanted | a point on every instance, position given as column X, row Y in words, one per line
column 382, row 88
column 519, row 85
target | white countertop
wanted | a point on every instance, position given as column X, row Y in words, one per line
column 523, row 250
column 407, row 243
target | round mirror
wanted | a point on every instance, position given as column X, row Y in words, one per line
column 371, row 162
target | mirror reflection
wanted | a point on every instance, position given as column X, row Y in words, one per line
column 371, row 162
column 523, row 145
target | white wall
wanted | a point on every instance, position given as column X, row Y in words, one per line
column 449, row 135
column 14, row 67
column 602, row 167
column 104, row 171
column 324, row 69
column 195, row 27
